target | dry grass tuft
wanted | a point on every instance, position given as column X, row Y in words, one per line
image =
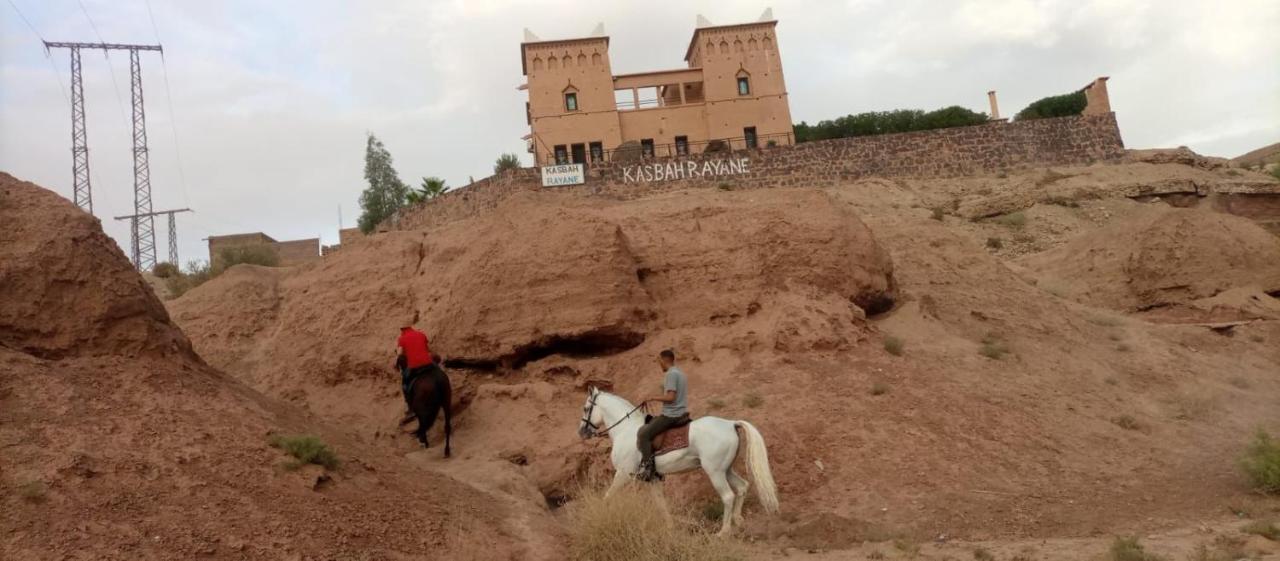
column 879, row 388
column 633, row 525
column 993, row 347
column 1261, row 462
column 752, row 400
column 305, row 450
column 1264, row 528
column 1014, row 219
column 715, row 404
column 894, row 345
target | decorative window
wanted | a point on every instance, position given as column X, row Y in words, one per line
column 682, row 146
column 646, row 147
column 724, row 47
column 553, row 63
column 711, row 48
column 749, row 134
column 582, row 59
column 571, row 101
column 537, row 63
column 595, row 59
column 753, row 45
column 597, row 152
column 567, row 60
column 737, row 45
column 744, row 85
column 562, row 155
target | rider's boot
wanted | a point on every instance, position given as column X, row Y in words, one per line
column 649, row 471
column 408, row 417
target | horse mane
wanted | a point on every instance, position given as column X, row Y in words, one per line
column 624, row 401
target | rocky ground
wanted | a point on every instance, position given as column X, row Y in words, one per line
column 924, row 390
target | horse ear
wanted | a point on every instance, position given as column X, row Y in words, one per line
column 592, row 390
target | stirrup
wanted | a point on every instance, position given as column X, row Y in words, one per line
column 649, row 473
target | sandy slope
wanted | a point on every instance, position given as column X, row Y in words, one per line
column 765, row 294
column 120, row 443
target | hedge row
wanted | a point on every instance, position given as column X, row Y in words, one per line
column 886, row 122
column 1054, row 106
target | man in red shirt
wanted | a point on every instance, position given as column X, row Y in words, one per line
column 414, row 360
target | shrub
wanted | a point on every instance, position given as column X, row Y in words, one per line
column 1061, row 201
column 165, row 270
column 894, row 345
column 1054, row 106
column 879, row 388
column 249, row 254
column 633, row 524
column 995, row 243
column 506, row 162
column 888, row 122
column 993, row 347
column 1128, row 549
column 725, row 187
column 1275, row 172
column 197, row 273
column 1264, row 528
column 1126, row 422
column 752, row 400
column 1261, row 462
column 1016, row 219
column 980, row 554
column 306, row 450
column 715, row 403
column 33, row 492
column 937, row 213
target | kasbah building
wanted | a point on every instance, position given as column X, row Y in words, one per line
column 731, row 95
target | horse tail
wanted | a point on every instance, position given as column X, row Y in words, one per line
column 758, row 464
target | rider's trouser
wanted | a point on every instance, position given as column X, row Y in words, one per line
column 654, row 428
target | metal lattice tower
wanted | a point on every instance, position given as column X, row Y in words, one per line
column 79, row 139
column 142, row 223
column 134, row 219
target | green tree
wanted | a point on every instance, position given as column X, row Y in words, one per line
column 432, row 187
column 888, row 122
column 506, row 162
column 1054, row 106
column 385, row 193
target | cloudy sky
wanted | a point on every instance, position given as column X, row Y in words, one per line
column 258, row 111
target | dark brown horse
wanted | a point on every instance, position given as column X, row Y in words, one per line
column 430, row 393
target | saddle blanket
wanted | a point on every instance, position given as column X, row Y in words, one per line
column 672, row 440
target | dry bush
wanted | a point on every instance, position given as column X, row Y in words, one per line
column 993, row 347
column 980, row 554
column 33, row 492
column 894, row 345
column 937, row 213
column 1189, row 407
column 715, row 403
column 633, row 525
column 879, row 388
column 995, row 243
column 1261, row 462
column 1128, row 549
column 1264, row 528
column 1127, row 422
column 305, row 450
column 752, row 400
column 165, row 270
column 1015, row 219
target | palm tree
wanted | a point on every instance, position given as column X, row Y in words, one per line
column 432, row 187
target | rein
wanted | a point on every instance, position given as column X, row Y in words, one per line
column 598, row 433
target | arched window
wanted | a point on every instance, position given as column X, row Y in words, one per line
column 724, row 47
column 752, row 45
column 711, row 48
column 553, row 63
column 582, row 59
column 537, row 63
column 737, row 45
column 595, row 59
column 768, row 44
column 744, row 83
column 567, row 60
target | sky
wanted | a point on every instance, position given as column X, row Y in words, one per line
column 257, row 113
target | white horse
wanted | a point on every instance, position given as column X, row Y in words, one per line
column 713, row 444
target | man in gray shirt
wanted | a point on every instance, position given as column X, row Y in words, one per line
column 675, row 409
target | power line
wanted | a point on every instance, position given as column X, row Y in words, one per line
column 173, row 118
column 24, row 19
column 105, row 54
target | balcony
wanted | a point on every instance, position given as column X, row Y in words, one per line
column 667, row 88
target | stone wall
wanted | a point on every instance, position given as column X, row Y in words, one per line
column 952, row 152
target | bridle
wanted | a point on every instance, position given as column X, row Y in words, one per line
column 595, row 430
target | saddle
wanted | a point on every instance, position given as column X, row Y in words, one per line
column 672, row 439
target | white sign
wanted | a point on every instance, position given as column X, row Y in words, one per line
column 671, row 171
column 565, row 174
